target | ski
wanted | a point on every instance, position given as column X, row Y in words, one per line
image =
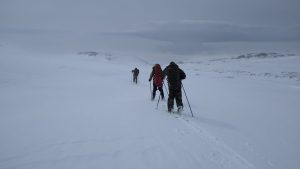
column 177, row 114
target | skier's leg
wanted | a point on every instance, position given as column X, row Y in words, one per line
column 161, row 92
column 135, row 79
column 171, row 100
column 178, row 97
column 154, row 91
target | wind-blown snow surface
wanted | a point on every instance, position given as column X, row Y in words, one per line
column 84, row 112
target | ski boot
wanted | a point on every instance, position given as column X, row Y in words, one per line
column 180, row 109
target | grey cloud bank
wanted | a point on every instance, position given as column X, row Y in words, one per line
column 167, row 26
column 185, row 37
column 212, row 31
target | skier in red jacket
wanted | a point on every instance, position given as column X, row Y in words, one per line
column 157, row 76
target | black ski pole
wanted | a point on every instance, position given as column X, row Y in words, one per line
column 157, row 102
column 150, row 90
column 187, row 100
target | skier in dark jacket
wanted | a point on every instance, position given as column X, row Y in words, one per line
column 174, row 76
column 135, row 73
column 157, row 75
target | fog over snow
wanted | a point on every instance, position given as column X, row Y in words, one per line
column 168, row 27
column 67, row 99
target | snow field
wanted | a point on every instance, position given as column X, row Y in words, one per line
column 78, row 112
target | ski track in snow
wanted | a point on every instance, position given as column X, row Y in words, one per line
column 219, row 153
column 186, row 146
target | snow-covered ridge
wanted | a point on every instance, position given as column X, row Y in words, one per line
column 263, row 55
column 235, row 73
column 249, row 56
column 253, row 65
column 88, row 53
column 107, row 56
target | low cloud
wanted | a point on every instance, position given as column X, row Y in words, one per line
column 209, row 31
column 187, row 37
column 177, row 37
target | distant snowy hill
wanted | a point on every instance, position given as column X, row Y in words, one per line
column 83, row 111
column 263, row 55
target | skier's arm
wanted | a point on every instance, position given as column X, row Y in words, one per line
column 165, row 72
column 151, row 75
column 182, row 74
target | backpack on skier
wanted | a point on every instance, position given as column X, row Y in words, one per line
column 158, row 76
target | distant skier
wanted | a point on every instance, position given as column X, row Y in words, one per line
column 135, row 73
column 157, row 75
column 174, row 76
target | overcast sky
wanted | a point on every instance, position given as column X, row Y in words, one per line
column 174, row 24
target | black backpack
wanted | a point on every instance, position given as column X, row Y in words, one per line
column 174, row 79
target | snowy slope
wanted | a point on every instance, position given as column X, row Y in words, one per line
column 84, row 112
column 253, row 106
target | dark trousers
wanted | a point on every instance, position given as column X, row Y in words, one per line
column 174, row 94
column 134, row 79
column 154, row 91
